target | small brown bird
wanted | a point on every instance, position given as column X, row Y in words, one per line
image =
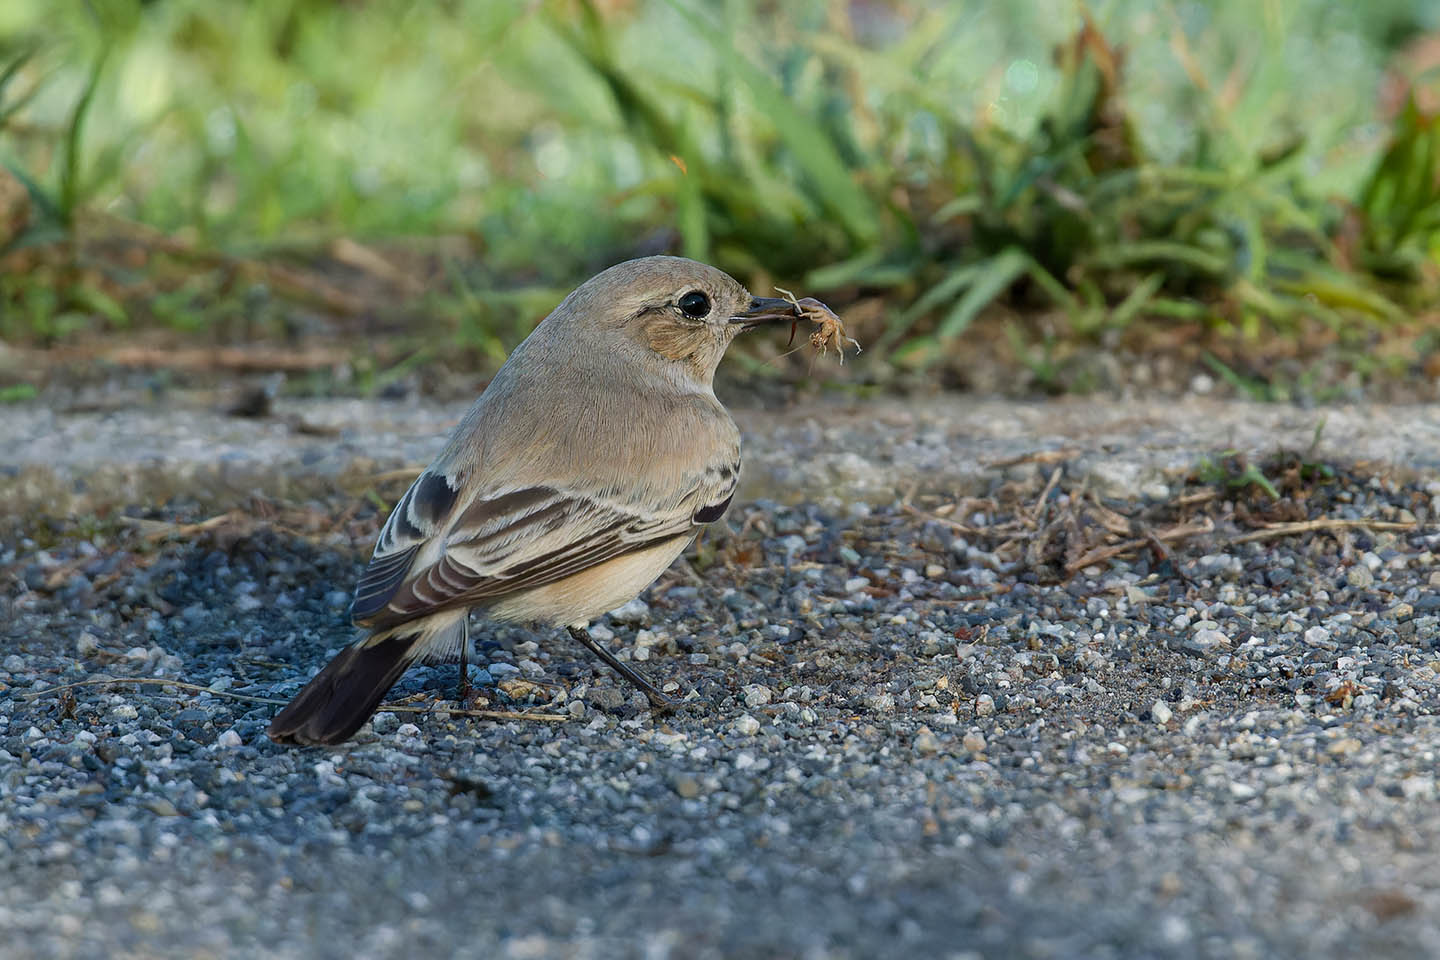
column 584, row 469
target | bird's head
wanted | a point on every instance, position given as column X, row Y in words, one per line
column 671, row 313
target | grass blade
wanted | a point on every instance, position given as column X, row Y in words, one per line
column 998, row 273
column 69, row 197
column 808, row 142
column 1150, row 251
column 1136, row 300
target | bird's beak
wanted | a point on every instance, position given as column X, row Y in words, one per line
column 766, row 310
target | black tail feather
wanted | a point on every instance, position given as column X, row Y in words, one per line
column 338, row 701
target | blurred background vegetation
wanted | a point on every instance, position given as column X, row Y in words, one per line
column 1019, row 181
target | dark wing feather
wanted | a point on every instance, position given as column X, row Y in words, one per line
column 714, row 511
column 378, row 582
column 421, row 514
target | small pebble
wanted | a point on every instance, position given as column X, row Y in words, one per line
column 636, row 611
column 1343, row 747
column 756, row 695
column 1209, row 638
column 161, row 807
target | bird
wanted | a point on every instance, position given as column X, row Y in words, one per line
column 584, row 468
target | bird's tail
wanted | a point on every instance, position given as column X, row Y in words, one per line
column 338, row 701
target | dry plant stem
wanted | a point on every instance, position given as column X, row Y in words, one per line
column 1324, row 523
column 245, row 698
column 1039, row 456
column 942, row 521
column 1116, row 523
column 1269, row 533
column 407, row 474
column 289, row 282
column 1180, row 532
column 152, row 530
column 1044, row 497
column 238, row 359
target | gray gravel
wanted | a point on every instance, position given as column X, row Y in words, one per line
column 911, row 731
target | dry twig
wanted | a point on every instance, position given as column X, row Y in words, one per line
column 1044, row 497
column 239, row 359
column 246, row 698
column 1039, row 456
column 943, row 521
column 152, row 530
column 1179, row 532
column 1273, row 530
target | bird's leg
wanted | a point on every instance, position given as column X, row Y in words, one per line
column 658, row 700
column 462, row 692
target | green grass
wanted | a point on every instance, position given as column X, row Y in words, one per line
column 18, row 393
column 1283, row 473
column 1139, row 163
column 1230, row 470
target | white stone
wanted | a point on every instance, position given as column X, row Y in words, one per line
column 747, row 725
column 756, row 695
column 1161, row 711
column 636, row 611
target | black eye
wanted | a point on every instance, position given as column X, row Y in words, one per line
column 695, row 305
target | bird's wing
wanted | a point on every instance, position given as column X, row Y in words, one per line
column 422, row 514
column 436, row 553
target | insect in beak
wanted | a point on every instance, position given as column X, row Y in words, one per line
column 764, row 310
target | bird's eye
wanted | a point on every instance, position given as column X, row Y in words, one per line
column 695, row 305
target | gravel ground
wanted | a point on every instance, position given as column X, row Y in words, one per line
column 942, row 721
